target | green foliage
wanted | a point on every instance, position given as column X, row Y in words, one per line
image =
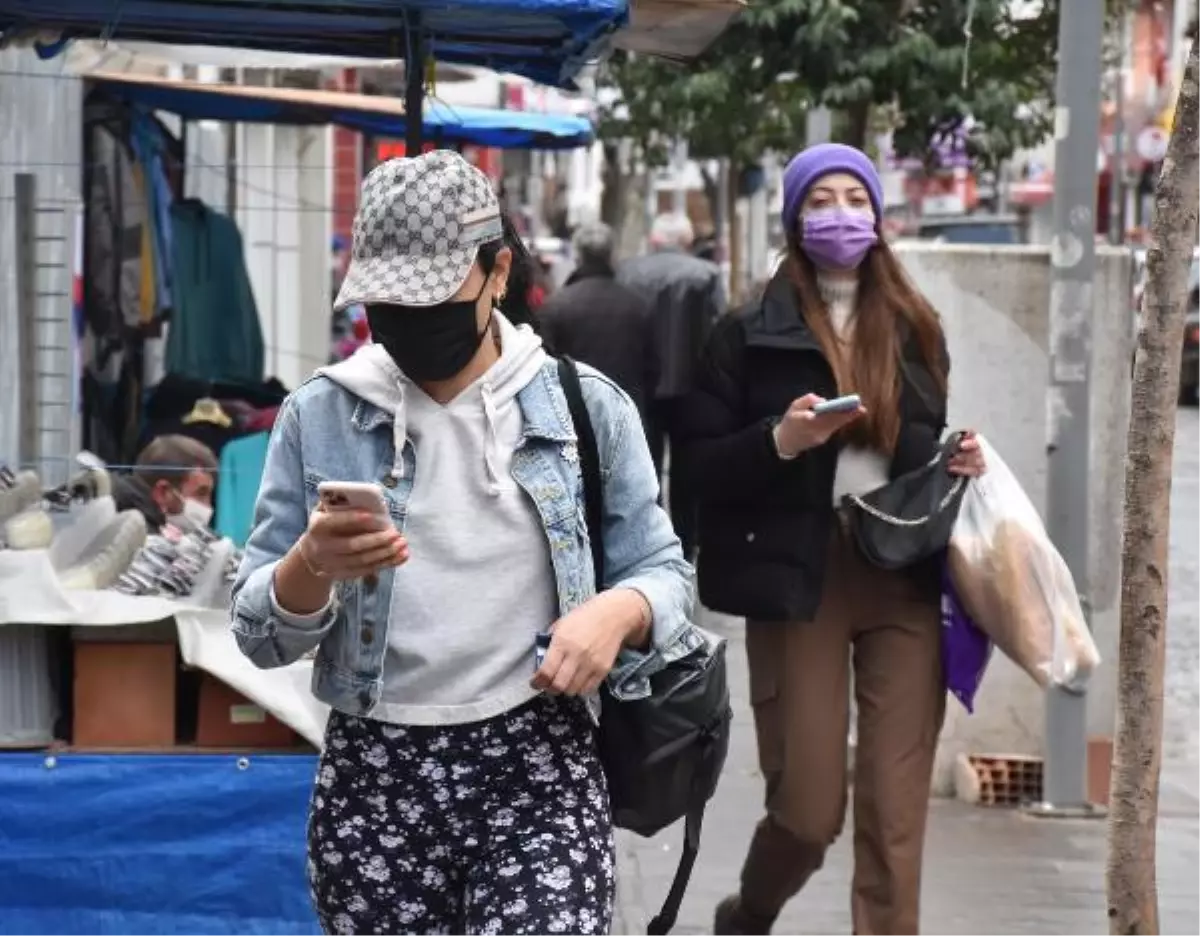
column 751, row 90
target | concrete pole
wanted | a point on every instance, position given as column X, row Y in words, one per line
column 679, row 163
column 1116, row 215
column 1073, row 258
column 818, row 126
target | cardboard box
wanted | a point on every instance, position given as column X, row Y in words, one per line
column 124, row 695
column 227, row 719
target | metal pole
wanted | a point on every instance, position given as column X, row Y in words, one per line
column 28, row 440
column 1116, row 211
column 414, row 87
column 1073, row 260
column 231, row 155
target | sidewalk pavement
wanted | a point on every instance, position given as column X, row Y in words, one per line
column 986, row 871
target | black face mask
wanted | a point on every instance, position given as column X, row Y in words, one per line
column 428, row 342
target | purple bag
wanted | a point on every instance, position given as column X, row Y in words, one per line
column 965, row 648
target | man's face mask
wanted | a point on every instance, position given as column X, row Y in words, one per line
column 191, row 515
column 429, row 343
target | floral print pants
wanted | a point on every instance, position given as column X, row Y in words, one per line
column 501, row 826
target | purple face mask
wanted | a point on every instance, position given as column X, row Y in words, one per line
column 837, row 239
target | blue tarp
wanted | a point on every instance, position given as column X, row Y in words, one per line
column 154, row 844
column 443, row 123
column 546, row 40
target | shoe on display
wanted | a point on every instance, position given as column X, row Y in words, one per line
column 18, row 492
column 32, row 529
column 125, row 537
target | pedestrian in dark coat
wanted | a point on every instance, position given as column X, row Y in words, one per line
column 596, row 320
column 686, row 299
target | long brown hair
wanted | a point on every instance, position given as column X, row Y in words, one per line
column 889, row 312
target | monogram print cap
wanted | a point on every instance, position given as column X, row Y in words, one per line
column 418, row 229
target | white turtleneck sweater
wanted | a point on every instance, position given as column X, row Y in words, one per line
column 859, row 470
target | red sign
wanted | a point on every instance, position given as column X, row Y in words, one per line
column 396, row 149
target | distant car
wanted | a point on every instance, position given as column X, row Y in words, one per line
column 971, row 229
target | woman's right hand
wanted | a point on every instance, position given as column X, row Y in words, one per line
column 349, row 544
column 801, row 429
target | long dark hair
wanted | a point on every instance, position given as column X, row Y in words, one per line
column 890, row 312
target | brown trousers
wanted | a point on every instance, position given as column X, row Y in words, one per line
column 888, row 625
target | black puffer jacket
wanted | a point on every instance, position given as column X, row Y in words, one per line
column 765, row 523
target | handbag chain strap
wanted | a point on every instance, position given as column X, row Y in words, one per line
column 920, row 521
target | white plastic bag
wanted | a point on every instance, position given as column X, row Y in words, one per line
column 1015, row 585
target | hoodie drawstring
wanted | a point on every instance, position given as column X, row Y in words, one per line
column 399, row 434
column 491, row 442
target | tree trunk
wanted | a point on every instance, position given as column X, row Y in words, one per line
column 858, row 122
column 630, row 229
column 612, row 193
column 1132, row 888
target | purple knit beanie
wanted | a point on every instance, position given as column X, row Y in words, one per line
column 820, row 160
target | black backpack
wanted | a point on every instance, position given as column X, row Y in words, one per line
column 662, row 755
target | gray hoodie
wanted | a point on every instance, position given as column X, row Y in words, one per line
column 479, row 587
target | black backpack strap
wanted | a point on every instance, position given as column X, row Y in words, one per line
column 665, row 919
column 589, row 463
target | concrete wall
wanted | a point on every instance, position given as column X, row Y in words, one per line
column 995, row 303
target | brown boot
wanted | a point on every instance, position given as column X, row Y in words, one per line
column 732, row 919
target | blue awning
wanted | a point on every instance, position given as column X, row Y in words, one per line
column 376, row 115
column 546, row 40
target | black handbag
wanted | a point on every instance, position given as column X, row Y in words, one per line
column 910, row 519
column 662, row 755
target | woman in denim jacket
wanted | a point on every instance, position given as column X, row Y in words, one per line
column 459, row 789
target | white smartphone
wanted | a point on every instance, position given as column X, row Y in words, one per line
column 355, row 495
column 844, row 404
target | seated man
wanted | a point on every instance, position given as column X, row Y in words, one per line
column 173, row 478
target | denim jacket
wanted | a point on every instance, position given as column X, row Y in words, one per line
column 324, row 432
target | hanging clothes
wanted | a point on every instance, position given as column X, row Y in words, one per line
column 238, row 477
column 148, row 145
column 113, row 241
column 214, row 333
column 148, row 297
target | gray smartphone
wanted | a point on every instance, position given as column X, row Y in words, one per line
column 844, row 404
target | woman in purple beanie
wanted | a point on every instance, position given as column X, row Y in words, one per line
column 839, row 317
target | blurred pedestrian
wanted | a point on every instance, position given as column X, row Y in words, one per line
column 838, row 317
column 595, row 319
column 686, row 298
column 706, row 248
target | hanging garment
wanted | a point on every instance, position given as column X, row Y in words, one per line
column 117, row 212
column 239, row 475
column 148, row 144
column 214, row 332
column 148, row 296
